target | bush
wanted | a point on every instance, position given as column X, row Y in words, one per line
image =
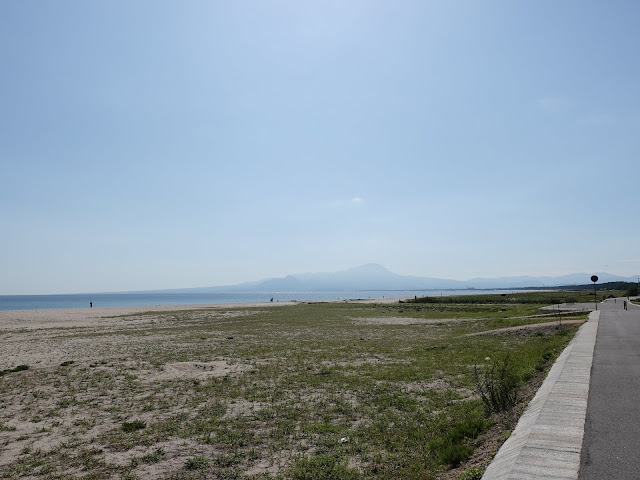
column 497, row 384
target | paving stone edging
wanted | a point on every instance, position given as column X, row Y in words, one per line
column 547, row 440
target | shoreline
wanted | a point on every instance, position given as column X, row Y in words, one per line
column 86, row 317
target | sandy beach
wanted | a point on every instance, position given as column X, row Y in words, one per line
column 106, row 341
column 111, row 316
column 119, row 342
column 43, row 337
column 103, row 317
column 26, row 337
column 246, row 391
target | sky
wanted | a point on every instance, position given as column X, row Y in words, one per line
column 168, row 144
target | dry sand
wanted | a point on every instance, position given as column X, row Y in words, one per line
column 85, row 317
column 44, row 337
column 117, row 343
column 110, row 344
column 40, row 337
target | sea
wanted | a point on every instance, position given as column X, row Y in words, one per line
column 42, row 302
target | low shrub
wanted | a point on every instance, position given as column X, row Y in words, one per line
column 497, row 384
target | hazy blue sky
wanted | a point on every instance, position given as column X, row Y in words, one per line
column 155, row 144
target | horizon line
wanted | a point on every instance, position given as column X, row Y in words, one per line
column 165, row 290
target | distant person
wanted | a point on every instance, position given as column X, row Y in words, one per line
column 271, row 300
column 90, row 304
column 625, row 304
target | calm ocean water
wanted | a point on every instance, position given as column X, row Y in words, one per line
column 40, row 302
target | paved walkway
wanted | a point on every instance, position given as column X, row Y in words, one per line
column 611, row 448
column 584, row 422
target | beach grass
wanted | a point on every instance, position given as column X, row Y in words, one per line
column 325, row 390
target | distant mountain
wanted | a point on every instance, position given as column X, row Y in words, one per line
column 375, row 277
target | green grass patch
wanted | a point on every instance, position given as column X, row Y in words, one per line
column 321, row 467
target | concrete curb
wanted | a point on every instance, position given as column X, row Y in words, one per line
column 547, row 442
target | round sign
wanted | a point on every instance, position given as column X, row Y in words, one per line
column 594, row 278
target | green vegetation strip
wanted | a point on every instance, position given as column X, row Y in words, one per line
column 529, row 298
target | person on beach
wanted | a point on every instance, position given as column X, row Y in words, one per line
column 90, row 304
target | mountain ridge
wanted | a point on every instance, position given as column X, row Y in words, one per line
column 373, row 276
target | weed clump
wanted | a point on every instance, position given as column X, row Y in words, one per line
column 473, row 473
column 497, row 384
column 196, row 463
column 133, row 426
column 153, row 457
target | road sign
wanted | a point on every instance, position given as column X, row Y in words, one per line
column 594, row 279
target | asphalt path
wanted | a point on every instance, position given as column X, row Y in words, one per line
column 611, row 444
